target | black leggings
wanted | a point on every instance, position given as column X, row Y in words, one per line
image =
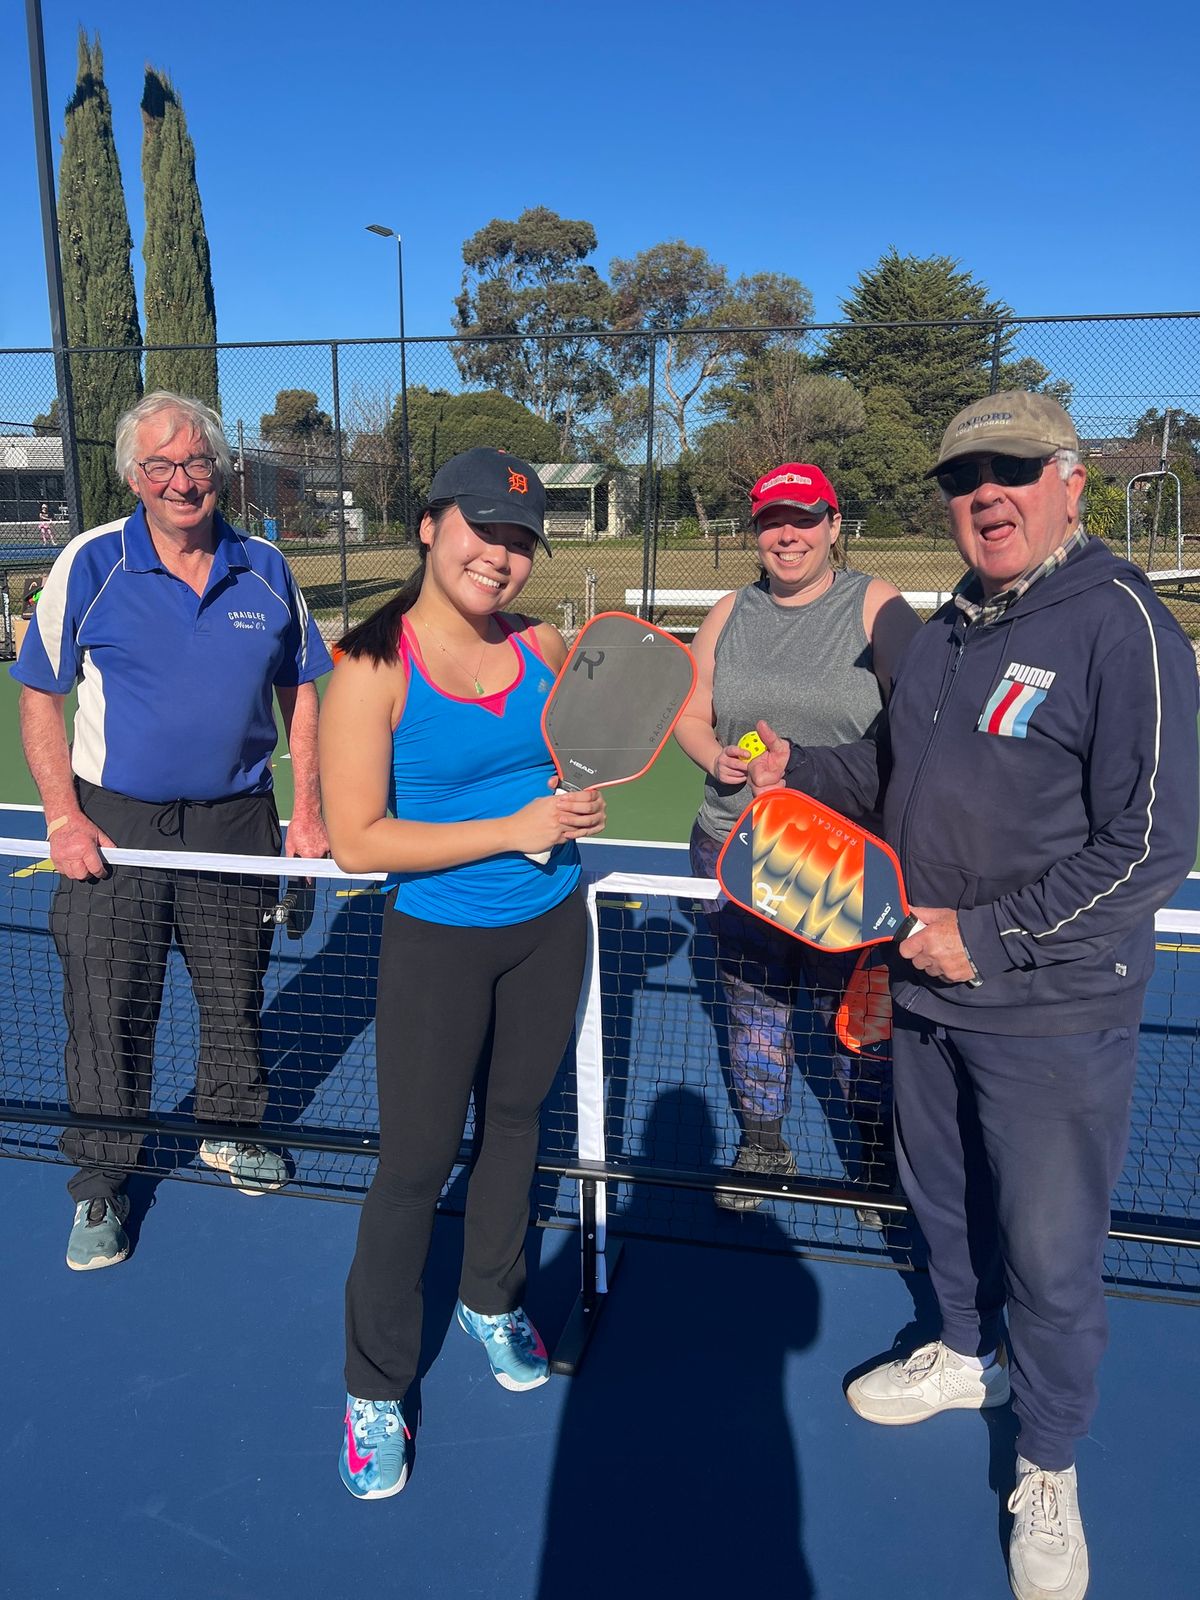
column 458, row 1008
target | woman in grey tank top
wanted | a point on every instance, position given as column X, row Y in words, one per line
column 811, row 647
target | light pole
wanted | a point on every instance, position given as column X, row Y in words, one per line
column 405, row 465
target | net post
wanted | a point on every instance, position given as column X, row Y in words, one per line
column 589, row 1098
column 572, row 1343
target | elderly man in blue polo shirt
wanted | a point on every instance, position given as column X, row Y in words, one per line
column 176, row 628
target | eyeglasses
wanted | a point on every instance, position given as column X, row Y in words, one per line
column 198, row 468
column 1011, row 472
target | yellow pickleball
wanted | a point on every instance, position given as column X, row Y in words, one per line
column 751, row 744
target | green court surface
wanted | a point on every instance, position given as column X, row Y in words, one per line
column 659, row 806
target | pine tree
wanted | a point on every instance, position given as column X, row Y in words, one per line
column 98, row 284
column 178, row 292
column 939, row 357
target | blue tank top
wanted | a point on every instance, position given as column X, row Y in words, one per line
column 459, row 760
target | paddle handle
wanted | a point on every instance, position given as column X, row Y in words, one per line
column 912, row 925
column 542, row 856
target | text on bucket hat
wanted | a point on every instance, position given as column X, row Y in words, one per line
column 795, row 483
column 489, row 485
column 1012, row 423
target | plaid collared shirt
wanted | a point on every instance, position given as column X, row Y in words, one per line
column 968, row 594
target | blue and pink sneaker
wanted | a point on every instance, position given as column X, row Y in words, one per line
column 375, row 1441
column 514, row 1346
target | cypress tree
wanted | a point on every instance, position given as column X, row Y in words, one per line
column 98, row 284
column 178, row 292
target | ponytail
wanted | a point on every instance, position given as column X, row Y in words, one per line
column 378, row 638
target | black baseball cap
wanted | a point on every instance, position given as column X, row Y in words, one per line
column 489, row 485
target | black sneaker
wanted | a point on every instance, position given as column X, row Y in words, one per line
column 752, row 1161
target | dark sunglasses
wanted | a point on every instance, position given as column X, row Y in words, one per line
column 1011, row 472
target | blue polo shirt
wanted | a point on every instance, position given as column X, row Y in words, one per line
column 174, row 687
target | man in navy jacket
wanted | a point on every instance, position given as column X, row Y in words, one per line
column 1038, row 777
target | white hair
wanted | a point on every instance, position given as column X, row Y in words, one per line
column 193, row 414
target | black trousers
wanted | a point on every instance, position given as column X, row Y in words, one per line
column 113, row 938
column 458, row 1008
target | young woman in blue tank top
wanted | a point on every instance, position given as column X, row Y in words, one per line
column 818, row 642
column 434, row 769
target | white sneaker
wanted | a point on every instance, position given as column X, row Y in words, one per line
column 931, row 1380
column 1047, row 1552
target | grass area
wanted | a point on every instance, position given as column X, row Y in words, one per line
column 372, row 573
column 561, row 582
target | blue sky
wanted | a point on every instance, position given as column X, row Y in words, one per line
column 1051, row 149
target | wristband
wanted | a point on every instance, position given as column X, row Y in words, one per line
column 53, row 827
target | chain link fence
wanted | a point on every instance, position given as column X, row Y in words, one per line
column 647, row 441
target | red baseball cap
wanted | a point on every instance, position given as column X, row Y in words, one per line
column 795, row 483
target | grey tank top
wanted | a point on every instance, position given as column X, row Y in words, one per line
column 807, row 670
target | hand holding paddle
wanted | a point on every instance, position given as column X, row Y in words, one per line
column 805, row 868
column 556, row 819
column 935, row 946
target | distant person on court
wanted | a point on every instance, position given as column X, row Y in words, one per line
column 45, row 528
column 434, row 769
column 811, row 645
column 1041, row 792
column 177, row 629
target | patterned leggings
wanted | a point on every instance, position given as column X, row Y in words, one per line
column 781, row 996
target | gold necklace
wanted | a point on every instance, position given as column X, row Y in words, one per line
column 474, row 676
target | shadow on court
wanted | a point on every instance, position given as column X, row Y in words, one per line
column 675, row 1470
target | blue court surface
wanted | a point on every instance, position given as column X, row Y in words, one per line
column 174, row 1422
column 174, row 1425
column 30, row 555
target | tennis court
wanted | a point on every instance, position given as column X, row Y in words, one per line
column 703, row 1449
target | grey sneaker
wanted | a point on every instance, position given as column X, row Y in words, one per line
column 1047, row 1552
column 98, row 1238
column 251, row 1169
column 753, row 1161
column 931, row 1380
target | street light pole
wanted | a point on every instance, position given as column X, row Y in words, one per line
column 405, row 464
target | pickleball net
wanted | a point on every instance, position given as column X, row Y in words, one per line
column 646, row 1093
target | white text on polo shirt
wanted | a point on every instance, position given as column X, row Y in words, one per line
column 250, row 621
